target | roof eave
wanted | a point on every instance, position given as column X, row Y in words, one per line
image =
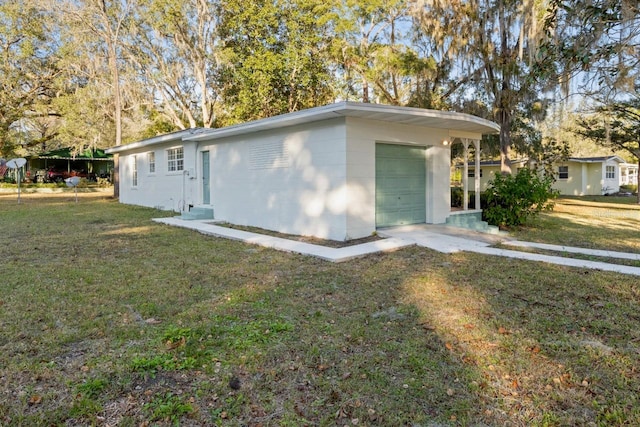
column 403, row 115
column 178, row 136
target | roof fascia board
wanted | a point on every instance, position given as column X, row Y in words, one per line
column 464, row 134
column 161, row 139
column 595, row 160
column 340, row 109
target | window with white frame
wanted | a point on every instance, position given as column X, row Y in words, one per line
column 611, row 172
column 134, row 171
column 151, row 158
column 175, row 159
column 563, row 172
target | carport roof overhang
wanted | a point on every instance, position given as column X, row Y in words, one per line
column 458, row 124
column 386, row 113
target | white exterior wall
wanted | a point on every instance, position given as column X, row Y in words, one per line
column 291, row 180
column 320, row 180
column 162, row 189
column 362, row 135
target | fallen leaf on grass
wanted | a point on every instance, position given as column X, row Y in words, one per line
column 172, row 345
column 503, row 331
column 152, row 321
column 35, row 399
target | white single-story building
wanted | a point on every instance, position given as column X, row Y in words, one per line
column 338, row 172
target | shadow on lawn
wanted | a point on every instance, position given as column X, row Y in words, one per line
column 546, row 344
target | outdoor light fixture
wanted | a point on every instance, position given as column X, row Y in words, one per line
column 445, row 142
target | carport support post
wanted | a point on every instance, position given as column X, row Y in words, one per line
column 476, row 175
column 465, row 175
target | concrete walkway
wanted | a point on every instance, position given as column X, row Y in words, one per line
column 439, row 238
column 330, row 254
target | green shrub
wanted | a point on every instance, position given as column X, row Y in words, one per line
column 512, row 199
column 457, row 196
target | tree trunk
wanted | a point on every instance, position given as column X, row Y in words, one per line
column 111, row 39
column 365, row 91
column 638, row 182
column 117, row 101
column 504, row 119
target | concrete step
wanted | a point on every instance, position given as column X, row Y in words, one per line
column 198, row 212
column 471, row 221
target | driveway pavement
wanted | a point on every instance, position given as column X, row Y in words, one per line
column 439, row 238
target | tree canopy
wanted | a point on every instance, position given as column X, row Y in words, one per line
column 104, row 72
column 616, row 126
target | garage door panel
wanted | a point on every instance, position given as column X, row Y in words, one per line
column 400, row 185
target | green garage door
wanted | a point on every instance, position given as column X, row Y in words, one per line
column 400, row 185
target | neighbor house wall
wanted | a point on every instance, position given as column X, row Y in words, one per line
column 162, row 189
column 488, row 174
column 588, row 178
column 573, row 184
column 290, row 180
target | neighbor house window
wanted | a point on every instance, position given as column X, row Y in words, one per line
column 151, row 157
column 134, row 171
column 611, row 172
column 175, row 158
column 472, row 173
column 563, row 172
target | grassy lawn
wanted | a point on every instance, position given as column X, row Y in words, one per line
column 110, row 319
column 595, row 222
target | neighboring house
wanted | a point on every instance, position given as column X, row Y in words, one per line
column 62, row 163
column 577, row 176
column 488, row 170
column 337, row 172
column 628, row 174
column 588, row 176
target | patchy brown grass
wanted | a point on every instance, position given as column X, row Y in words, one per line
column 111, row 319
